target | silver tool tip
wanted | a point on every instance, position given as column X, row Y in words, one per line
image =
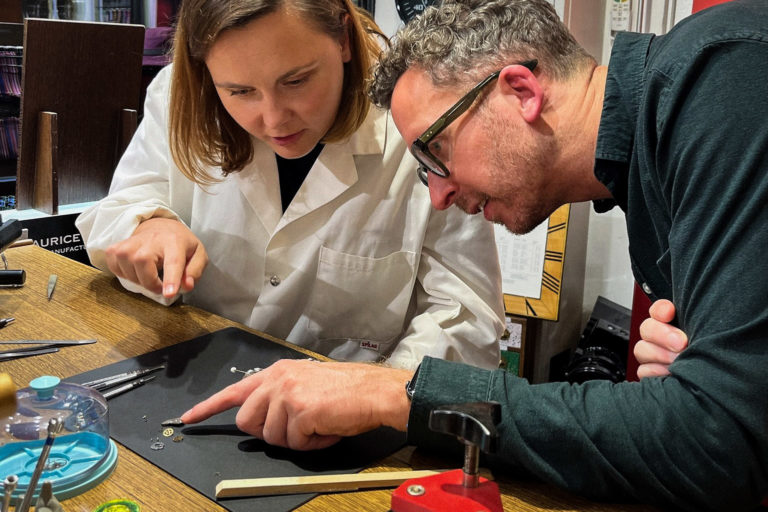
column 173, row 422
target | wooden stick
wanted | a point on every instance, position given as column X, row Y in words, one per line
column 46, row 188
column 318, row 483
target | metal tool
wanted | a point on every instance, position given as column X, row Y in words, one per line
column 127, row 387
column 113, row 380
column 43, row 347
column 9, row 486
column 27, row 349
column 173, row 422
column 6, row 321
column 48, row 342
column 47, row 502
column 52, row 285
column 246, row 373
column 54, row 427
column 6, row 355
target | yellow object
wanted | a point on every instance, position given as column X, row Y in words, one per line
column 118, row 506
column 7, row 396
column 546, row 303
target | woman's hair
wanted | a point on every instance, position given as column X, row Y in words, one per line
column 460, row 41
column 202, row 133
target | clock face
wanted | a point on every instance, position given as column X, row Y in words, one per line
column 547, row 304
column 407, row 9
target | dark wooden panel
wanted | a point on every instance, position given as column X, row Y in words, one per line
column 86, row 73
column 10, row 11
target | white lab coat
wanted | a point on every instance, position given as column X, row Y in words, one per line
column 359, row 267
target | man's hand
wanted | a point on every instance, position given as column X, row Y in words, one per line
column 308, row 405
column 660, row 343
column 159, row 244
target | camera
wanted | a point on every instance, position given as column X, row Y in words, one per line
column 602, row 350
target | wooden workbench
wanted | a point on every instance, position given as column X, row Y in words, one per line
column 89, row 304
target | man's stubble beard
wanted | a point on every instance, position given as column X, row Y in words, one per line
column 517, row 176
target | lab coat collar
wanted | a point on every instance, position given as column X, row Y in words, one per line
column 371, row 137
column 333, row 173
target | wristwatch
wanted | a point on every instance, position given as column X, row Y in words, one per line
column 410, row 386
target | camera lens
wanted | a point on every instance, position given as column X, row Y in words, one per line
column 595, row 363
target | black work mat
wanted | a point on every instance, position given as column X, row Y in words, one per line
column 215, row 449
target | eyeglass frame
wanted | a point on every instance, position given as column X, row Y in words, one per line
column 421, row 144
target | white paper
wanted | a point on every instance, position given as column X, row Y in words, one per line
column 515, row 339
column 522, row 260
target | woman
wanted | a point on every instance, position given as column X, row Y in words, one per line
column 270, row 170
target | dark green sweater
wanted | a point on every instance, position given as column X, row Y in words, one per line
column 683, row 147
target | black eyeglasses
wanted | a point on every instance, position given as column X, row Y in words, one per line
column 420, row 147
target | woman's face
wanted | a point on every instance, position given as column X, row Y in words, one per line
column 280, row 79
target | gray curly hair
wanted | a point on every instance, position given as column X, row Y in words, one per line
column 460, row 41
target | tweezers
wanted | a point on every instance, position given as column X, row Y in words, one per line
column 6, row 355
column 51, row 343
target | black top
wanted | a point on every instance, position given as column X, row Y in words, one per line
column 292, row 173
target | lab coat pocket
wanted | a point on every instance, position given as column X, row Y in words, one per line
column 360, row 298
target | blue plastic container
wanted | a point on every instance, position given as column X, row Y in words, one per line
column 82, row 455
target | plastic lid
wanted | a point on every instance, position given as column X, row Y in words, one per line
column 45, row 386
column 78, row 407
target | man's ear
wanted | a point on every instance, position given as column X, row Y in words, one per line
column 520, row 82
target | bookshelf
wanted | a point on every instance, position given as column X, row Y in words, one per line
column 11, row 39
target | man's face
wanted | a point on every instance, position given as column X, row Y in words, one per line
column 496, row 164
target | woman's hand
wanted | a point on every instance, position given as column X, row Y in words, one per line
column 162, row 255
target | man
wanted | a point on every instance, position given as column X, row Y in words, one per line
column 675, row 132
